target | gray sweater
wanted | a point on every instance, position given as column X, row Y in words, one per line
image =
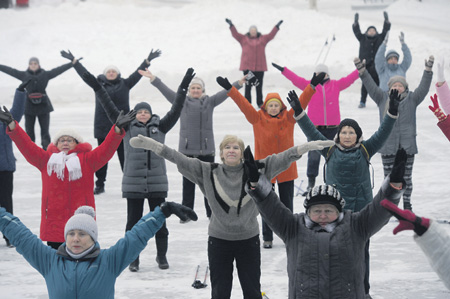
column 223, row 186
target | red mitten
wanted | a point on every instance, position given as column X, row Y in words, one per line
column 407, row 219
column 436, row 109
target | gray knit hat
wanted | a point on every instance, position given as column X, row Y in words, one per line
column 198, row 81
column 392, row 53
column 83, row 219
column 398, row 79
column 143, row 105
column 33, row 59
column 67, row 132
column 324, row 194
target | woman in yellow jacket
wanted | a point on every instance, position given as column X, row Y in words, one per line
column 273, row 128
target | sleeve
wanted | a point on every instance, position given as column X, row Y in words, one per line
column 310, row 130
column 168, row 93
column 407, row 58
column 443, row 93
column 222, row 95
column 237, row 36
column 20, row 75
column 445, row 127
column 376, row 93
column 18, row 106
column 380, row 60
column 80, row 69
column 378, row 139
column 268, row 37
column 277, row 163
column 345, row 82
column 108, row 105
column 249, row 111
column 386, row 28
column 298, row 81
column 357, row 31
column 419, row 94
column 134, row 78
column 171, row 118
column 58, row 70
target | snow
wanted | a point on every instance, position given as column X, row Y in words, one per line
column 194, row 33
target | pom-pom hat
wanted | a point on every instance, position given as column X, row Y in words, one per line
column 83, row 219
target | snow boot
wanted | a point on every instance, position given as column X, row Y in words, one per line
column 134, row 266
column 162, row 262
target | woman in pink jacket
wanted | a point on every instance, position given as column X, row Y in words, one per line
column 67, row 170
column 253, row 57
column 323, row 109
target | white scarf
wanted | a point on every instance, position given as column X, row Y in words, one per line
column 58, row 162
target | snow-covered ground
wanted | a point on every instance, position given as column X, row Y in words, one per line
column 194, row 33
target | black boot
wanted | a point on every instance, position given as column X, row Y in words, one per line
column 311, row 183
column 161, row 250
column 134, row 266
column 99, row 190
column 8, row 244
column 162, row 262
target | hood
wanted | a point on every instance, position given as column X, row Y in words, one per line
column 273, row 95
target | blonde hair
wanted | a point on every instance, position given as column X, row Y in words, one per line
column 230, row 139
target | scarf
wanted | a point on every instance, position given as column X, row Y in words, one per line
column 58, row 162
column 79, row 255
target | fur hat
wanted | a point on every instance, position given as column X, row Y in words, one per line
column 399, row 79
column 67, row 132
column 33, row 59
column 351, row 123
column 324, row 194
column 111, row 67
column 143, row 105
column 83, row 219
column 392, row 53
column 198, row 81
column 321, row 68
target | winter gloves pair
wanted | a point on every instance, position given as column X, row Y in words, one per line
column 231, row 23
column 385, row 15
column 436, row 109
column 151, row 56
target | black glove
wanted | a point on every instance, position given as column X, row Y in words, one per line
column 250, row 166
column 123, row 120
column 386, row 17
column 280, row 68
column 229, row 22
column 153, row 55
column 251, row 78
column 394, row 101
column 69, row 55
column 6, row 116
column 278, row 24
column 184, row 213
column 23, row 85
column 360, row 65
column 187, row 78
column 356, row 17
column 91, row 81
column 294, row 102
column 317, row 79
column 398, row 171
column 224, row 83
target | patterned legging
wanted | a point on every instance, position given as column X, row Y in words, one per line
column 388, row 164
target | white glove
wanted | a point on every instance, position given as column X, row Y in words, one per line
column 440, row 70
column 147, row 143
column 314, row 145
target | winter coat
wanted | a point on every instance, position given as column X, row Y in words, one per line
column 386, row 71
column 60, row 198
column 368, row 46
column 93, row 276
column 144, row 173
column 445, row 127
column 435, row 244
column 323, row 109
column 443, row 93
column 119, row 92
column 348, row 168
column 323, row 264
column 253, row 55
column 234, row 214
column 272, row 134
column 196, row 120
column 38, row 84
column 7, row 159
column 405, row 129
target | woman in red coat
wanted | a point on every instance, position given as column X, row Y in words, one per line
column 67, row 170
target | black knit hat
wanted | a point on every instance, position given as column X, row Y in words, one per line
column 351, row 123
column 324, row 194
column 143, row 105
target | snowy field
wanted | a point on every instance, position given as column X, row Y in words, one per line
column 193, row 33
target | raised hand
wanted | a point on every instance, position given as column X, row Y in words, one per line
column 394, row 101
column 224, row 83
column 407, row 219
column 123, row 120
column 184, row 213
column 398, row 170
column 360, row 65
column 402, row 37
column 317, row 79
column 91, row 81
column 154, row 55
column 23, row 85
column 294, row 102
column 229, row 22
column 69, row 55
column 250, row 166
column 429, row 63
column 147, row 143
column 187, row 78
column 440, row 71
column 314, row 145
column 280, row 68
column 356, row 17
column 6, row 116
column 279, row 23
column 436, row 109
column 386, row 17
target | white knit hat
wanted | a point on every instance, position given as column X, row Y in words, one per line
column 83, row 219
column 198, row 81
column 67, row 132
column 111, row 67
column 321, row 68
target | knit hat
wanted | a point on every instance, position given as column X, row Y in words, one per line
column 351, row 123
column 83, row 219
column 111, row 67
column 67, row 132
column 143, row 105
column 399, row 79
column 371, row 27
column 324, row 194
column 33, row 59
column 272, row 96
column 392, row 53
column 321, row 68
column 198, row 81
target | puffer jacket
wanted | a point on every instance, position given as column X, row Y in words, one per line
column 386, row 71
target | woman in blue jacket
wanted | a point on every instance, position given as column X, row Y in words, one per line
column 79, row 268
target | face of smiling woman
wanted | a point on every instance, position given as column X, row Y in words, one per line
column 78, row 241
column 231, row 154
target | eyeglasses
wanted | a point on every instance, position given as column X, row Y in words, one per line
column 68, row 140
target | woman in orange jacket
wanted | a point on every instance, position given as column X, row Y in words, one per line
column 273, row 128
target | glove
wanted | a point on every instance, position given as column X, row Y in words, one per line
column 250, row 166
column 184, row 213
column 187, row 79
column 146, row 143
column 394, row 101
column 124, row 120
column 314, row 145
column 280, row 68
column 294, row 102
column 429, row 63
column 356, row 17
column 91, row 81
column 224, row 83
column 402, row 37
column 398, row 170
column 436, row 109
column 229, row 22
column 386, row 17
column 440, row 71
column 278, row 24
column 317, row 79
column 250, row 78
column 153, row 55
column 386, row 37
column 6, row 116
column 360, row 65
column 407, row 219
column 69, row 55
column 23, row 85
